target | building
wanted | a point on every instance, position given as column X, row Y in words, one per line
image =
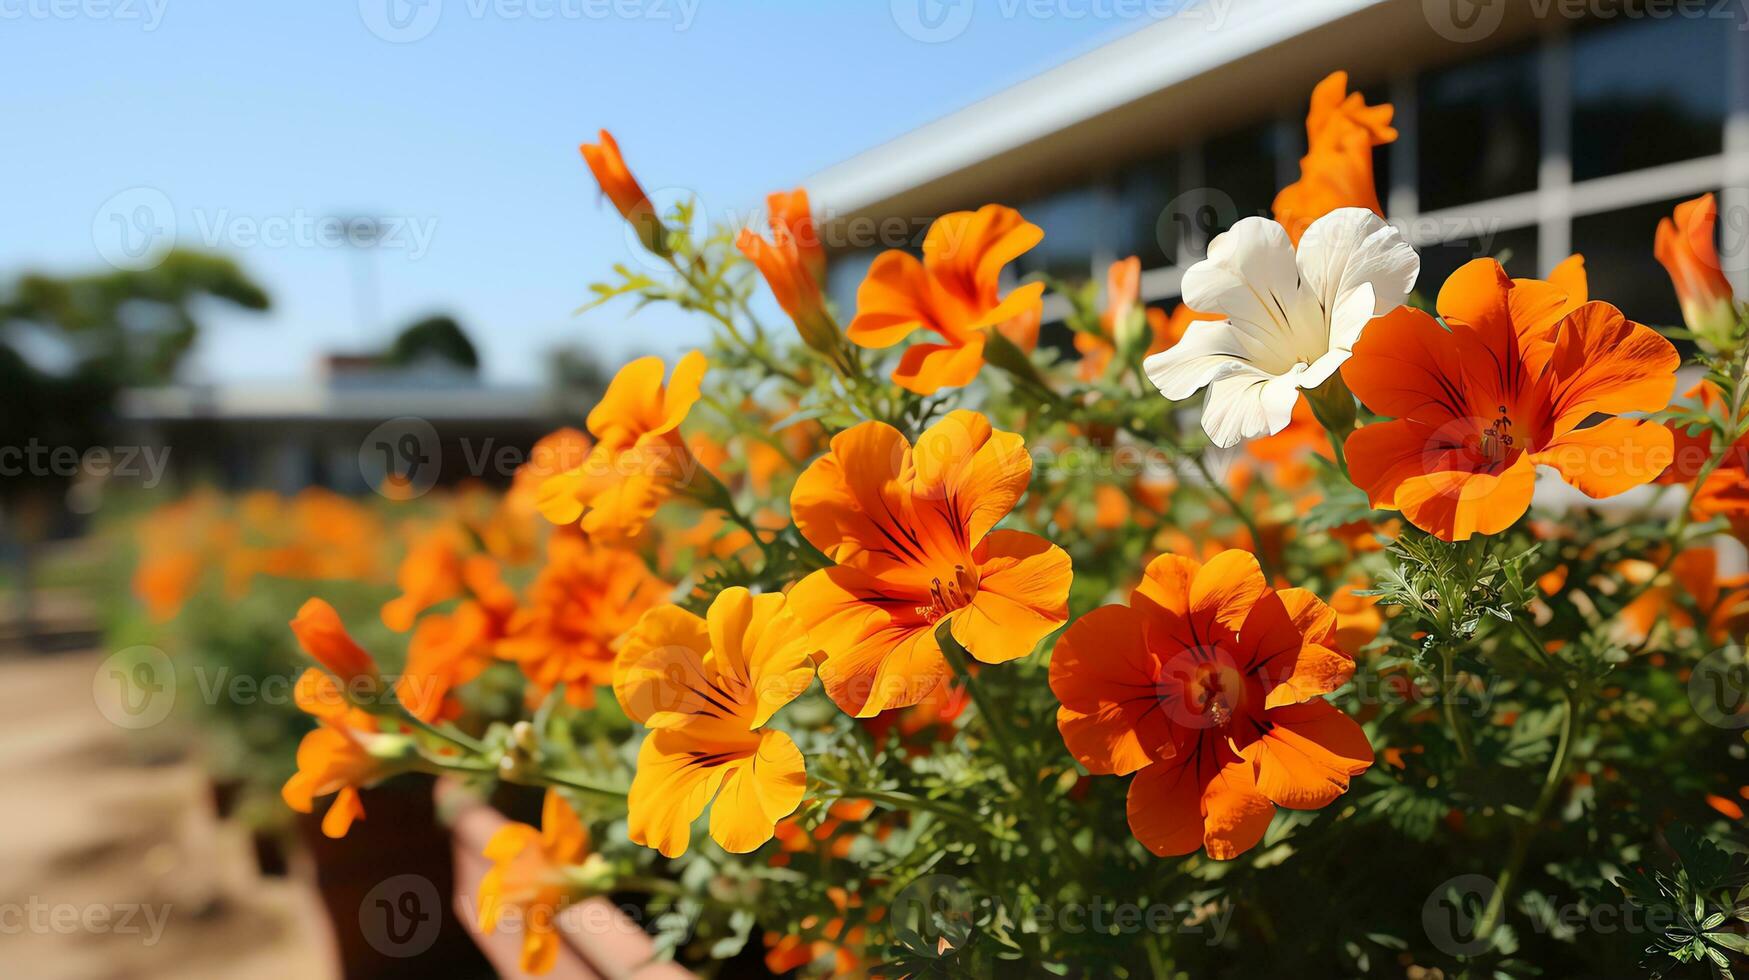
column 429, row 423
column 1530, row 129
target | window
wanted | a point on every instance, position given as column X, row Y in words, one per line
column 844, row 273
column 1142, row 226
column 1381, row 155
column 1648, row 91
column 1074, row 228
column 1239, row 174
column 1479, row 130
column 1515, row 248
column 1617, row 246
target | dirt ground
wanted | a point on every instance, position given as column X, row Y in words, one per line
column 112, row 863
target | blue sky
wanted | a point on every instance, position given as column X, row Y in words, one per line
column 251, row 122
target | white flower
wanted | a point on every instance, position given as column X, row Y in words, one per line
column 1291, row 320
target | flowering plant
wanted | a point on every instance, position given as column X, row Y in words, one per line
column 913, row 643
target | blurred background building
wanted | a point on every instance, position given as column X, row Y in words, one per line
column 1530, row 130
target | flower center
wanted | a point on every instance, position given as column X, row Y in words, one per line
column 945, row 597
column 1497, row 440
column 1215, row 690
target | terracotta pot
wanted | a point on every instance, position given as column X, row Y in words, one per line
column 384, row 887
column 597, row 940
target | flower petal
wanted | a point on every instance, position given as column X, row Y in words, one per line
column 757, row 793
column 1306, row 759
column 1106, row 678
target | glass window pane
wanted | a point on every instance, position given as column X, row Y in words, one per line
column 1239, row 166
column 1617, row 246
column 1479, row 130
column 1515, row 248
column 1073, row 227
column 1648, row 91
column 1381, row 155
column 844, row 273
column 1142, row 226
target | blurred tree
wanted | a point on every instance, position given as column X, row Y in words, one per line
column 434, row 338
column 67, row 348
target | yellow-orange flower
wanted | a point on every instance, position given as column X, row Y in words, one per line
column 1209, row 686
column 586, row 597
column 911, row 533
column 1337, row 170
column 623, row 190
column 1685, row 247
column 323, row 636
column 533, row 872
column 953, row 292
column 1505, row 389
column 794, row 266
column 344, row 753
column 639, row 460
column 706, row 687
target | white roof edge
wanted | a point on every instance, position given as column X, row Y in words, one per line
column 1199, row 39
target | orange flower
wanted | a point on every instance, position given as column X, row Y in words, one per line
column 792, row 225
column 450, row 649
column 910, row 531
column 1337, row 170
column 794, row 266
column 622, row 189
column 953, row 292
column 1725, row 492
column 534, row 872
column 639, row 459
column 1123, row 315
column 1685, row 247
column 706, row 688
column 1479, row 406
column 430, row 574
column 344, row 753
column 1721, row 604
column 585, row 598
column 323, row 636
column 1207, row 685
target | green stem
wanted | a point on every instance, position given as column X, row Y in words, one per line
column 708, row 304
column 1460, row 727
column 903, row 801
column 957, row 658
column 1495, row 911
column 1239, row 511
column 568, row 781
